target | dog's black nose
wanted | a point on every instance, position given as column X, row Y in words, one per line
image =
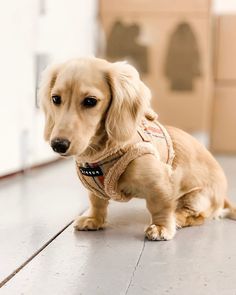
column 60, row 145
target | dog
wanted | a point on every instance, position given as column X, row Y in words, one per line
column 99, row 113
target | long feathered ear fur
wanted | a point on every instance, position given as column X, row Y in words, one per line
column 129, row 100
column 48, row 80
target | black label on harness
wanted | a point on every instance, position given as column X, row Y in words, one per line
column 96, row 171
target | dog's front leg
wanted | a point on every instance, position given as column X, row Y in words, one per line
column 149, row 178
column 96, row 217
column 163, row 225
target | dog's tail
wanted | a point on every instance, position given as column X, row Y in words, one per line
column 230, row 209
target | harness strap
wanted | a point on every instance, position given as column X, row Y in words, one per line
column 96, row 191
column 158, row 131
column 113, row 175
column 102, row 179
column 169, row 143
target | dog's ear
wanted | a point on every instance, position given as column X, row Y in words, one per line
column 129, row 100
column 48, row 79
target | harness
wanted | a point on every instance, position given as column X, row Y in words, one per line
column 102, row 176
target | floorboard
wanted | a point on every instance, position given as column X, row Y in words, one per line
column 33, row 209
column 98, row 263
column 199, row 261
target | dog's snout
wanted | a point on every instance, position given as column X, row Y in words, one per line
column 60, row 145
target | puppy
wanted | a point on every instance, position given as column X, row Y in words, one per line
column 99, row 112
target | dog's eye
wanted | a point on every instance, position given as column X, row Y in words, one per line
column 56, row 99
column 89, row 102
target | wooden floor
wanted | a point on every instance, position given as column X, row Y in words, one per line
column 41, row 254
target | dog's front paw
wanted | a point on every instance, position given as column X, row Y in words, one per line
column 159, row 233
column 88, row 223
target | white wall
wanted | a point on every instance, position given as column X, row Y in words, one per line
column 17, row 27
column 224, row 6
column 67, row 29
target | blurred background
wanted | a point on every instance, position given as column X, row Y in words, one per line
column 184, row 52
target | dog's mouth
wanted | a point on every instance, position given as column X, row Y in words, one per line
column 65, row 156
column 69, row 153
column 73, row 150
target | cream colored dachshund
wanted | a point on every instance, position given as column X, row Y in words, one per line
column 99, row 112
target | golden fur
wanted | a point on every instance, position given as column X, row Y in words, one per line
column 195, row 189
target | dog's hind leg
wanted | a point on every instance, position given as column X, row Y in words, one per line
column 193, row 208
column 229, row 209
column 185, row 217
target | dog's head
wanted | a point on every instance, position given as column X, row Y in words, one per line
column 85, row 99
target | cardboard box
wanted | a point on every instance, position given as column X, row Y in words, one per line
column 223, row 134
column 154, row 6
column 223, row 137
column 225, row 47
column 169, row 43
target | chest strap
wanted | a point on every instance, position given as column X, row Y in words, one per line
column 113, row 175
